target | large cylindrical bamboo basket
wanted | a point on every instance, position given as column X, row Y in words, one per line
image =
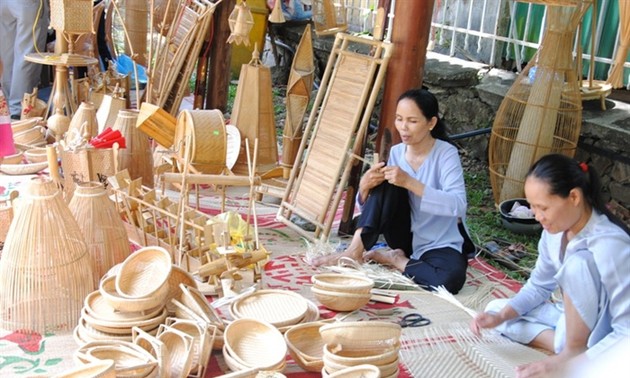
column 137, row 157
column 45, row 270
column 205, row 129
column 104, row 232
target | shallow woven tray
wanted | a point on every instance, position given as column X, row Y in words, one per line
column 312, row 315
column 196, row 301
column 178, row 276
column 144, row 272
column 349, row 357
column 107, row 289
column 23, row 169
column 277, row 307
column 124, row 327
column 130, row 359
column 98, row 307
column 305, row 345
column 347, row 283
column 362, row 334
column 255, row 343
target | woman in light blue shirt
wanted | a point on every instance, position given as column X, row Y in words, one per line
column 585, row 252
column 417, row 201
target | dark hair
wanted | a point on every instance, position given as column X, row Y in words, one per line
column 563, row 173
column 428, row 105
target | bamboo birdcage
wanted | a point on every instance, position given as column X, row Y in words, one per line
column 102, row 227
column 45, row 270
column 329, row 16
column 136, row 157
column 539, row 116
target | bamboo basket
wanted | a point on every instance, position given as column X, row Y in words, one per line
column 253, row 114
column 83, row 123
column 36, row 155
column 15, row 158
column 346, row 283
column 203, row 339
column 340, row 301
column 45, row 270
column 382, row 357
column 364, row 371
column 540, row 117
column 144, row 272
column 277, row 307
column 136, row 157
column 153, row 346
column 23, row 168
column 6, row 216
column 85, row 165
column 178, row 276
column 362, row 335
column 179, row 347
column 102, row 227
column 25, row 124
column 329, row 16
column 305, row 345
column 72, row 16
column 130, row 360
column 208, row 138
column 107, row 288
column 243, row 339
column 96, row 369
column 157, row 124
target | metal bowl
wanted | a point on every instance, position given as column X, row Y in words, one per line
column 527, row 226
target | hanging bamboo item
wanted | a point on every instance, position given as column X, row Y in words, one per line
column 276, row 16
column 206, row 131
column 253, row 115
column 298, row 96
column 45, row 270
column 241, row 22
column 102, row 227
column 540, row 116
column 615, row 75
column 136, row 157
column 329, row 16
column 71, row 18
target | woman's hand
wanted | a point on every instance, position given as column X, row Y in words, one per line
column 372, row 178
column 484, row 320
column 396, row 176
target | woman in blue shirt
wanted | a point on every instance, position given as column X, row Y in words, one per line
column 585, row 252
column 417, row 201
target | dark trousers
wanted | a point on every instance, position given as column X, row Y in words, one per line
column 386, row 211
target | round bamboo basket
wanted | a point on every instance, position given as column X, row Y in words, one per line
column 90, row 334
column 352, row 357
column 346, row 283
column 36, row 155
column 340, row 301
column 136, row 157
column 255, row 343
column 45, row 270
column 364, row 371
column 179, row 347
column 312, row 315
column 16, row 158
column 99, row 307
column 362, row 335
column 144, row 272
column 277, row 307
column 305, row 345
column 96, row 369
column 34, row 136
column 23, row 168
column 157, row 123
column 102, row 227
column 25, row 124
column 208, row 139
column 384, row 369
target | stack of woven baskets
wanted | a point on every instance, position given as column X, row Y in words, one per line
column 342, row 292
column 348, row 344
column 251, row 343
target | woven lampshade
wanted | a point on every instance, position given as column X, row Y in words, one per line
column 45, row 270
column 71, row 16
column 329, row 16
column 102, row 227
column 541, row 115
column 241, row 23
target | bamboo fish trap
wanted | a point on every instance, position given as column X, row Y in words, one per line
column 136, row 157
column 298, row 96
column 102, row 227
column 540, row 117
column 45, row 270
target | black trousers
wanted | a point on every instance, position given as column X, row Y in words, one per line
column 386, row 211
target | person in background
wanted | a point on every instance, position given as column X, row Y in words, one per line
column 417, row 201
column 584, row 251
column 23, row 30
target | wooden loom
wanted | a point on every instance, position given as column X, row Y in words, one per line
column 337, row 123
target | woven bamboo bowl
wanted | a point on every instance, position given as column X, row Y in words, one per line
column 144, row 272
column 305, row 345
column 197, row 302
column 385, row 369
column 130, row 360
column 124, row 327
column 235, row 365
column 255, row 343
column 179, row 347
column 203, row 338
column 16, row 158
column 36, row 155
column 362, row 335
column 352, row 357
column 96, row 369
column 25, row 124
column 364, row 371
column 98, row 307
column 346, row 283
column 339, row 301
column 277, row 307
column 107, row 288
column 312, row 315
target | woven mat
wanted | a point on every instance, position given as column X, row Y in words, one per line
column 444, row 348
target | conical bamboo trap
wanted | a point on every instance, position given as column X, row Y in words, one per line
column 136, row 157
column 253, row 115
column 45, row 270
column 104, row 232
column 540, row 117
column 298, row 96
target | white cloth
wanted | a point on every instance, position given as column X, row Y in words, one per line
column 434, row 216
column 16, row 40
column 594, row 271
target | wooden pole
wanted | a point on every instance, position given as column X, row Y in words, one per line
column 220, row 57
column 410, row 36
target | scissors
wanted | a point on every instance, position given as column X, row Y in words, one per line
column 414, row 320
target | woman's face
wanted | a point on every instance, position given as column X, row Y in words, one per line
column 555, row 214
column 411, row 124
